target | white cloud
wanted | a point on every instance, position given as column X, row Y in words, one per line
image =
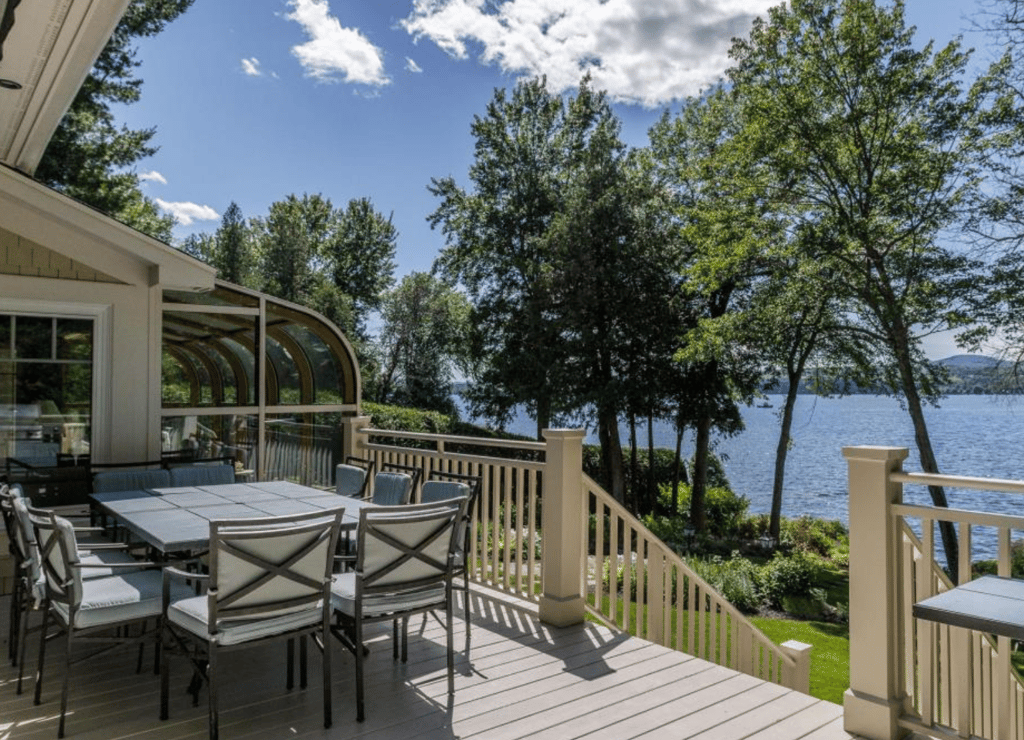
column 641, row 51
column 332, row 50
column 154, row 176
column 411, row 65
column 186, row 212
column 251, row 67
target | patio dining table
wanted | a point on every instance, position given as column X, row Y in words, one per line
column 173, row 520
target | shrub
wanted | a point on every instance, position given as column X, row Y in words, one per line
column 829, row 539
column 791, row 575
column 726, row 512
column 736, row 579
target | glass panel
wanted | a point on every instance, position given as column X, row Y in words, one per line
column 198, row 437
column 325, row 365
column 208, row 359
column 33, row 338
column 284, row 386
column 219, row 296
column 74, row 339
column 47, row 413
column 303, row 448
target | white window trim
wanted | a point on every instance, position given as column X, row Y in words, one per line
column 102, row 350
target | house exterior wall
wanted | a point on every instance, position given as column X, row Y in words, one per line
column 123, row 409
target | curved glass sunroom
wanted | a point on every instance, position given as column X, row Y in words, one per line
column 255, row 379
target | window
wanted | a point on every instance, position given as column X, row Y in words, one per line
column 46, row 388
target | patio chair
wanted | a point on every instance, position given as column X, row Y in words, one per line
column 201, row 475
column 442, row 487
column 352, row 476
column 392, row 489
column 28, row 589
column 412, row 471
column 92, row 610
column 403, row 567
column 269, row 579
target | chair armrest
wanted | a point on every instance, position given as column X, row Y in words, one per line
column 93, row 547
column 171, row 571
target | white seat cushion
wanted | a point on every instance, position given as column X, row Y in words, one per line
column 343, row 598
column 192, row 614
column 105, row 557
column 122, row 598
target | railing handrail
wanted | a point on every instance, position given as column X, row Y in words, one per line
column 449, row 455
column 453, row 439
column 966, row 516
column 959, row 481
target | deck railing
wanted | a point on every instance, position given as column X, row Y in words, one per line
column 915, row 675
column 555, row 563
column 505, row 536
column 639, row 584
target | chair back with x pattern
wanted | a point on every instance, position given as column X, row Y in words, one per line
column 405, row 548
column 58, row 553
column 263, row 567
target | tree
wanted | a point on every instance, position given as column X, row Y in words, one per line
column 233, row 255
column 726, row 234
column 89, row 157
column 361, row 257
column 871, row 148
column 495, row 249
column 291, row 238
column 422, row 343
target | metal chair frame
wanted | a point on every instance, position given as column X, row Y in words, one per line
column 233, row 538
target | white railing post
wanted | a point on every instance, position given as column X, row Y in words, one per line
column 800, row 652
column 873, row 703
column 562, row 601
column 351, row 439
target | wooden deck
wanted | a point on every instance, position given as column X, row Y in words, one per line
column 523, row 680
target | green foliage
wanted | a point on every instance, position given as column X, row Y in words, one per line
column 400, row 418
column 726, row 511
column 828, row 539
column 736, row 579
column 89, row 157
column 788, row 575
column 422, row 343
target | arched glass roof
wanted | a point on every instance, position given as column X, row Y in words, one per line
column 257, row 378
column 210, row 358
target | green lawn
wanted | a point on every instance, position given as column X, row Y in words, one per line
column 830, row 656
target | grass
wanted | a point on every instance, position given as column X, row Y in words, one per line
column 830, row 656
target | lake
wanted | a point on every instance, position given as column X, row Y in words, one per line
column 972, row 435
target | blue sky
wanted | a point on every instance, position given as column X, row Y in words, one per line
column 256, row 99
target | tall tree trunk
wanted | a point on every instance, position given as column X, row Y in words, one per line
column 633, row 493
column 652, row 494
column 702, row 446
column 611, row 451
column 543, row 415
column 781, row 450
column 926, row 454
column 678, row 469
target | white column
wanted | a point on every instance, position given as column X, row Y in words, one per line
column 872, row 704
column 562, row 565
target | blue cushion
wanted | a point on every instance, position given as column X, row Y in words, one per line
column 391, row 489
column 202, row 475
column 348, row 480
column 129, row 480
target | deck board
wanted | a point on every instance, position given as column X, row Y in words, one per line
column 523, row 679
